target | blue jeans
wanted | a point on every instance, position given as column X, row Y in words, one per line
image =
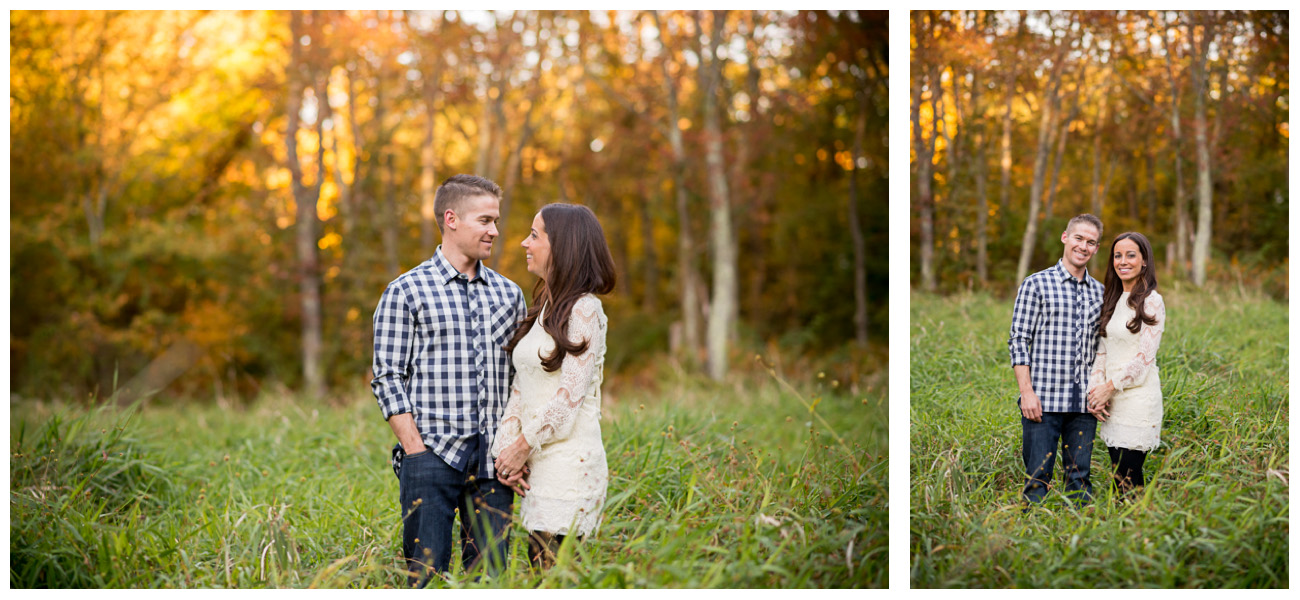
column 431, row 493
column 1075, row 432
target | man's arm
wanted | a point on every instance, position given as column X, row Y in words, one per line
column 403, row 426
column 1023, row 319
column 1030, row 406
column 394, row 338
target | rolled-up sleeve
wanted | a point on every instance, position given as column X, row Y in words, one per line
column 1024, row 316
column 394, row 341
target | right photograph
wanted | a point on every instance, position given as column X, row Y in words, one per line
column 1099, row 287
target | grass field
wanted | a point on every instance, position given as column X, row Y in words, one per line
column 1215, row 512
column 711, row 486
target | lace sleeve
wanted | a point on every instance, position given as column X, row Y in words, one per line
column 509, row 430
column 577, row 373
column 1135, row 370
column 1098, row 374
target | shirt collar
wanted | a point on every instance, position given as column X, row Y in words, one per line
column 447, row 273
column 1064, row 274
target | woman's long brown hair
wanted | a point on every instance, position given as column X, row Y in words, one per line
column 1145, row 284
column 580, row 264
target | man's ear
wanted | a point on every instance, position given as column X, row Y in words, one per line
column 1065, row 236
column 449, row 219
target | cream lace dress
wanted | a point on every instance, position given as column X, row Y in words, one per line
column 1128, row 361
column 558, row 414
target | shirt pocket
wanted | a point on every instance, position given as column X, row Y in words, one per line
column 501, row 325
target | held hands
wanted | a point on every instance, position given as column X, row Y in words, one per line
column 511, row 468
column 516, row 481
column 1099, row 400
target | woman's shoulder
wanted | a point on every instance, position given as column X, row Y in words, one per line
column 589, row 303
column 1154, row 299
column 586, row 306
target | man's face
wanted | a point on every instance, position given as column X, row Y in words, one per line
column 1081, row 242
column 475, row 226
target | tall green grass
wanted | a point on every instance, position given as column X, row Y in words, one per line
column 1214, row 512
column 734, row 485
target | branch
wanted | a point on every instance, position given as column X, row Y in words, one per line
column 623, row 101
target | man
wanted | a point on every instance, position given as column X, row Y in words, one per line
column 442, row 381
column 1053, row 342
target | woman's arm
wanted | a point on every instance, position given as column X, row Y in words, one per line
column 1133, row 372
column 576, row 376
column 509, row 430
column 1098, row 366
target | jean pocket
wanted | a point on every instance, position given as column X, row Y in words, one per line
column 399, row 456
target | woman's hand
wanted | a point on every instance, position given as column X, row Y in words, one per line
column 511, row 460
column 1099, row 400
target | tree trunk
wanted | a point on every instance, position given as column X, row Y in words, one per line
column 723, row 302
column 428, row 180
column 1063, row 135
column 924, row 158
column 1152, row 195
column 952, row 142
column 482, row 166
column 513, row 168
column 1133, row 199
column 981, row 173
column 1046, row 131
column 389, row 218
column 1182, row 222
column 305, row 198
column 1004, row 199
column 650, row 273
column 855, row 227
column 1204, row 192
column 686, row 275
column 745, row 225
column 1098, row 188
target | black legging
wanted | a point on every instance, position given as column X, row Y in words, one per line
column 542, row 548
column 1128, row 467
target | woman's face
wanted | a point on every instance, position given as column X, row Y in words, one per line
column 537, row 248
column 1128, row 261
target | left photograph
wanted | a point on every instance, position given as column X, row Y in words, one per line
column 448, row 299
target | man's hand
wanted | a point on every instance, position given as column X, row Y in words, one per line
column 516, row 481
column 1031, row 407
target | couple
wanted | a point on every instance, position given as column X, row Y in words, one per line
column 1064, row 323
column 465, row 373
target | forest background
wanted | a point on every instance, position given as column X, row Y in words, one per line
column 1170, row 123
column 210, row 203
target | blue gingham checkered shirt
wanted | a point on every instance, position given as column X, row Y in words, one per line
column 439, row 356
column 1054, row 332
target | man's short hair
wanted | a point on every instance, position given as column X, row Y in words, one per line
column 1085, row 218
column 452, row 193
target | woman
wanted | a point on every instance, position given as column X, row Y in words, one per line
column 1124, row 387
column 551, row 425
